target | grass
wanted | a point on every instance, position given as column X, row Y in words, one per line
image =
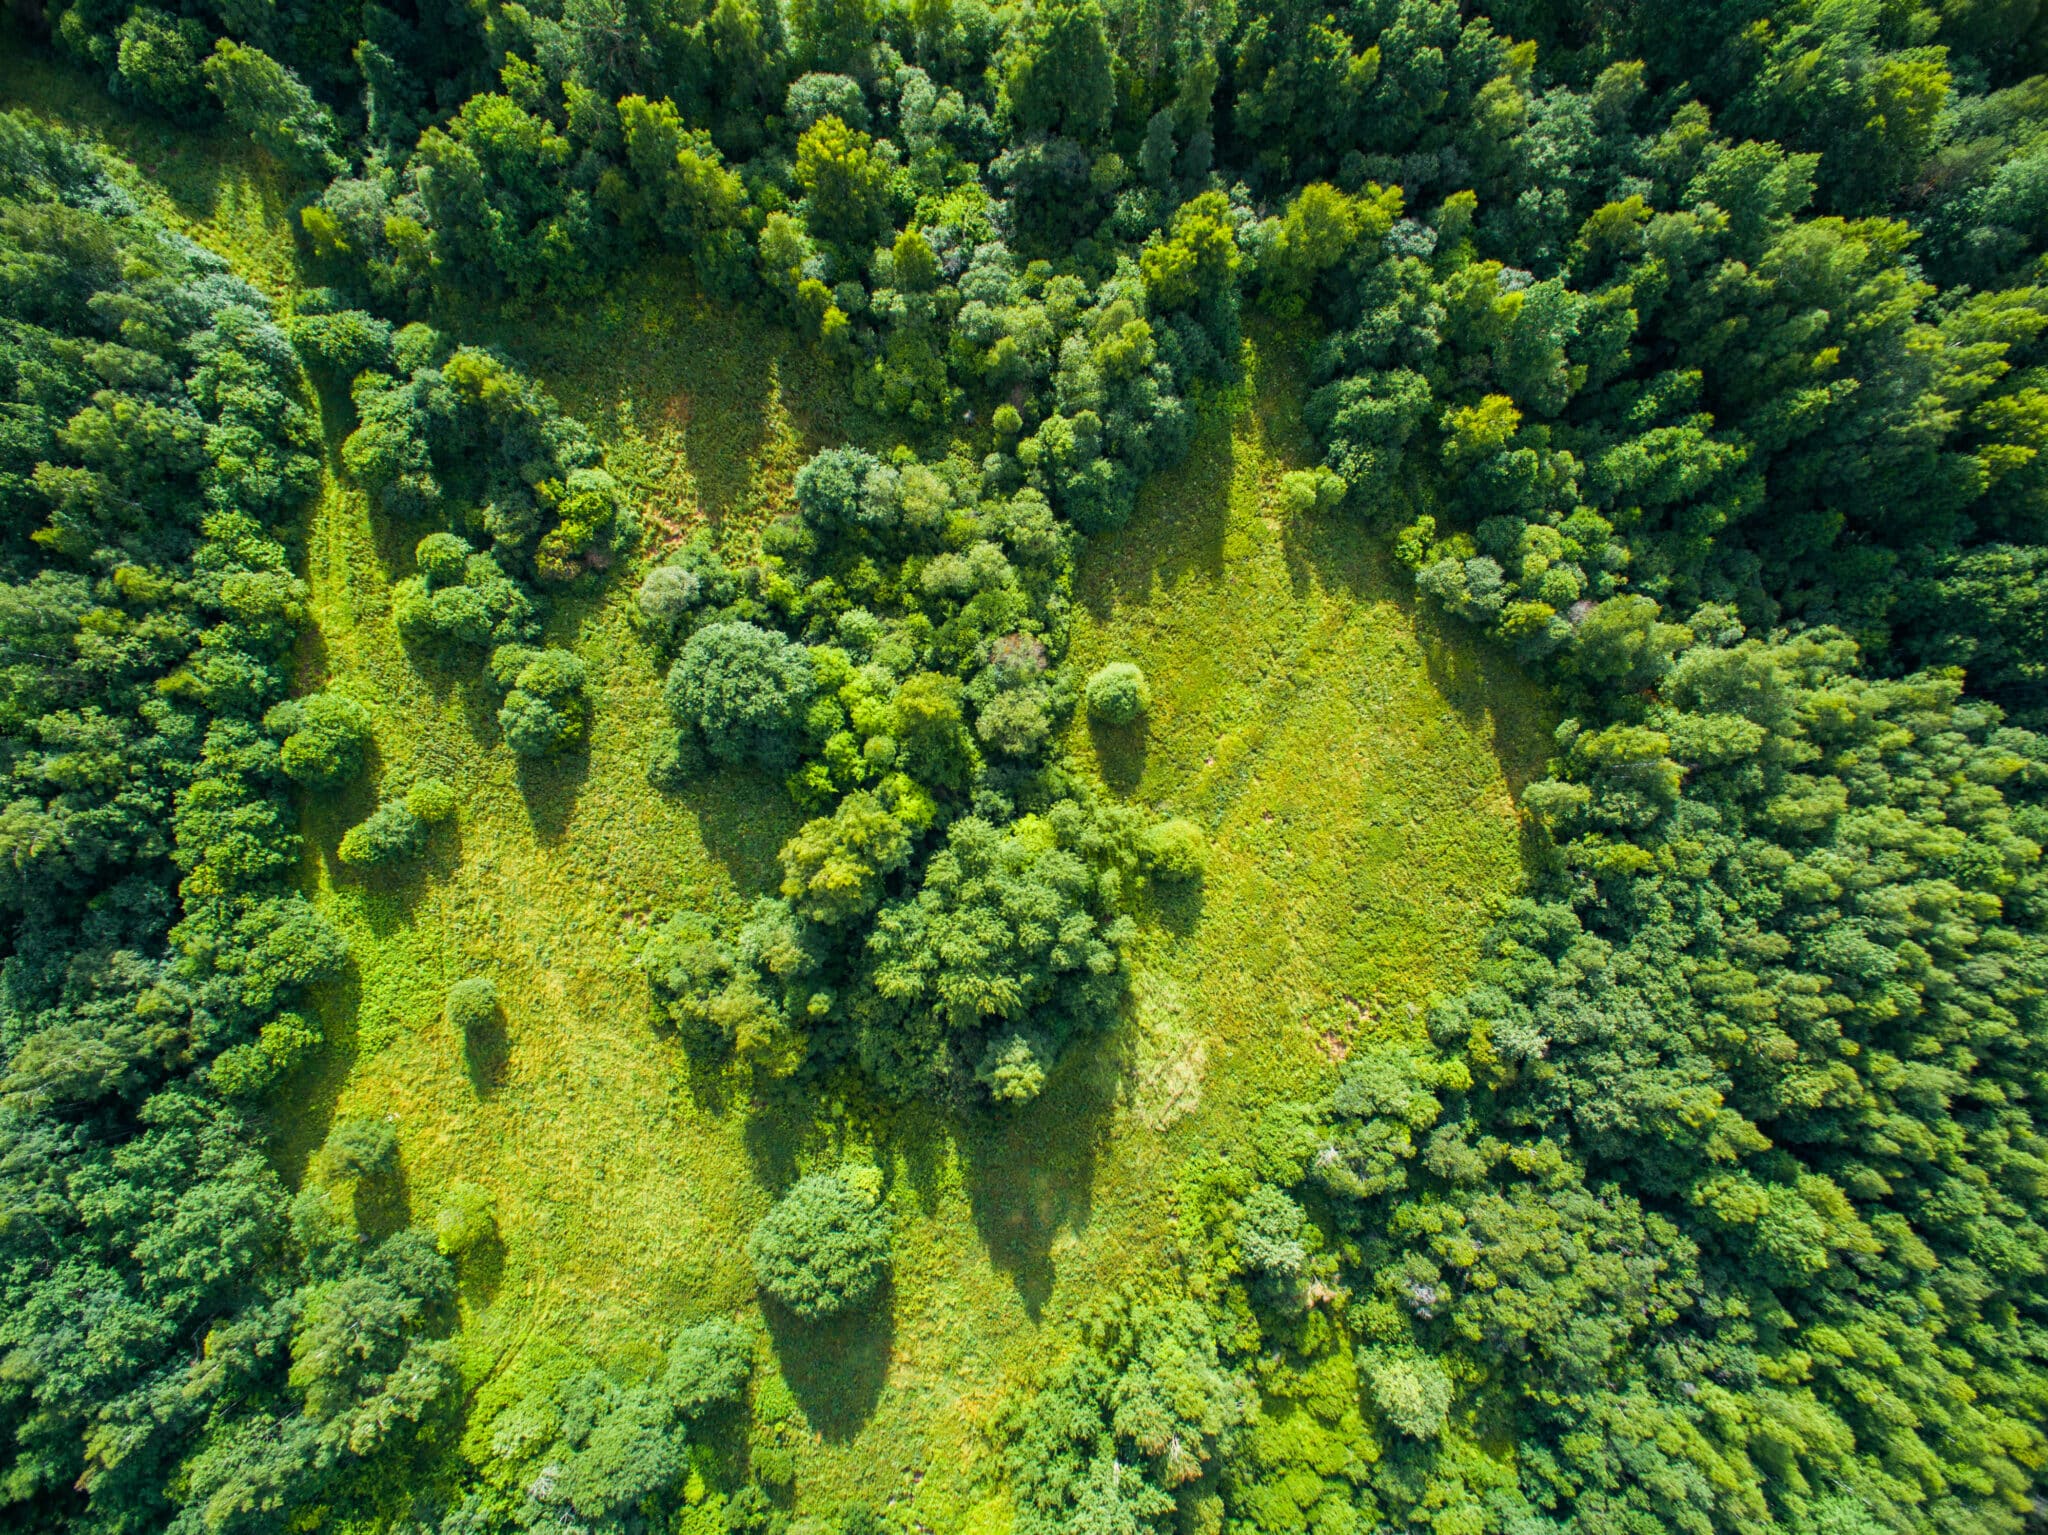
column 1354, row 768
column 1353, row 764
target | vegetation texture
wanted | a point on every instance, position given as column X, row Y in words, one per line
column 858, row 681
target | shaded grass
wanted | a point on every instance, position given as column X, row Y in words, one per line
column 208, row 181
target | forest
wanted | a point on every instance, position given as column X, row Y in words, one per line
column 690, row 712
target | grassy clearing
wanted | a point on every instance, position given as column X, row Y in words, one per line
column 1354, row 766
column 1354, row 770
column 1347, row 761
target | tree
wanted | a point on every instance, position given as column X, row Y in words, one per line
column 268, row 102
column 1058, row 78
column 545, row 711
column 471, row 1005
column 1118, row 694
column 738, row 689
column 845, row 183
column 823, row 1250
column 390, row 834
column 833, row 869
column 325, row 736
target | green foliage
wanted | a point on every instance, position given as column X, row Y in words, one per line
column 1059, row 76
column 545, row 710
column 268, row 102
column 1118, row 694
column 1124, row 1435
column 1694, row 353
column 390, row 834
column 471, row 1004
column 738, row 688
column 823, row 1250
column 467, row 1219
column 324, row 738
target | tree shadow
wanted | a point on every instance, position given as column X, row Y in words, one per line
column 1476, row 678
column 300, row 1108
column 743, row 816
column 551, row 786
column 1120, row 752
column 487, row 1053
column 382, row 1204
column 1030, row 1172
column 1176, row 905
column 1177, row 529
column 836, row 1369
column 482, row 1270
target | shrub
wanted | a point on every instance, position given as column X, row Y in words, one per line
column 431, row 799
column 390, row 833
column 823, row 1249
column 468, row 1216
column 325, row 738
column 1117, row 694
column 1174, row 850
column 358, row 1149
column 442, row 558
column 244, row 1071
column 343, row 343
column 545, row 711
column 472, row 1004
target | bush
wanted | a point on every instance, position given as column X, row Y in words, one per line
column 244, row 1071
column 442, row 558
column 1174, row 851
column 343, row 343
column 468, row 1216
column 358, row 1149
column 431, row 799
column 823, row 1249
column 391, row 832
column 1117, row 694
column 325, row 738
column 545, row 711
column 471, row 1005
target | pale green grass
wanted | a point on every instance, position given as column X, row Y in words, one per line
column 1354, row 770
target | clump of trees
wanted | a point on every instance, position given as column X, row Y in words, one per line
column 824, row 1249
column 157, row 943
column 952, row 916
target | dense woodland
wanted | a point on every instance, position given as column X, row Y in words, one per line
column 1696, row 354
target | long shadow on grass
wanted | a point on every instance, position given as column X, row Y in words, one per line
column 300, row 1108
column 486, row 1053
column 551, row 786
column 1120, row 752
column 1177, row 530
column 1030, row 1172
column 836, row 1369
column 744, row 817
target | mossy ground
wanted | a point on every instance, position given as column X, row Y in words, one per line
column 1353, row 767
